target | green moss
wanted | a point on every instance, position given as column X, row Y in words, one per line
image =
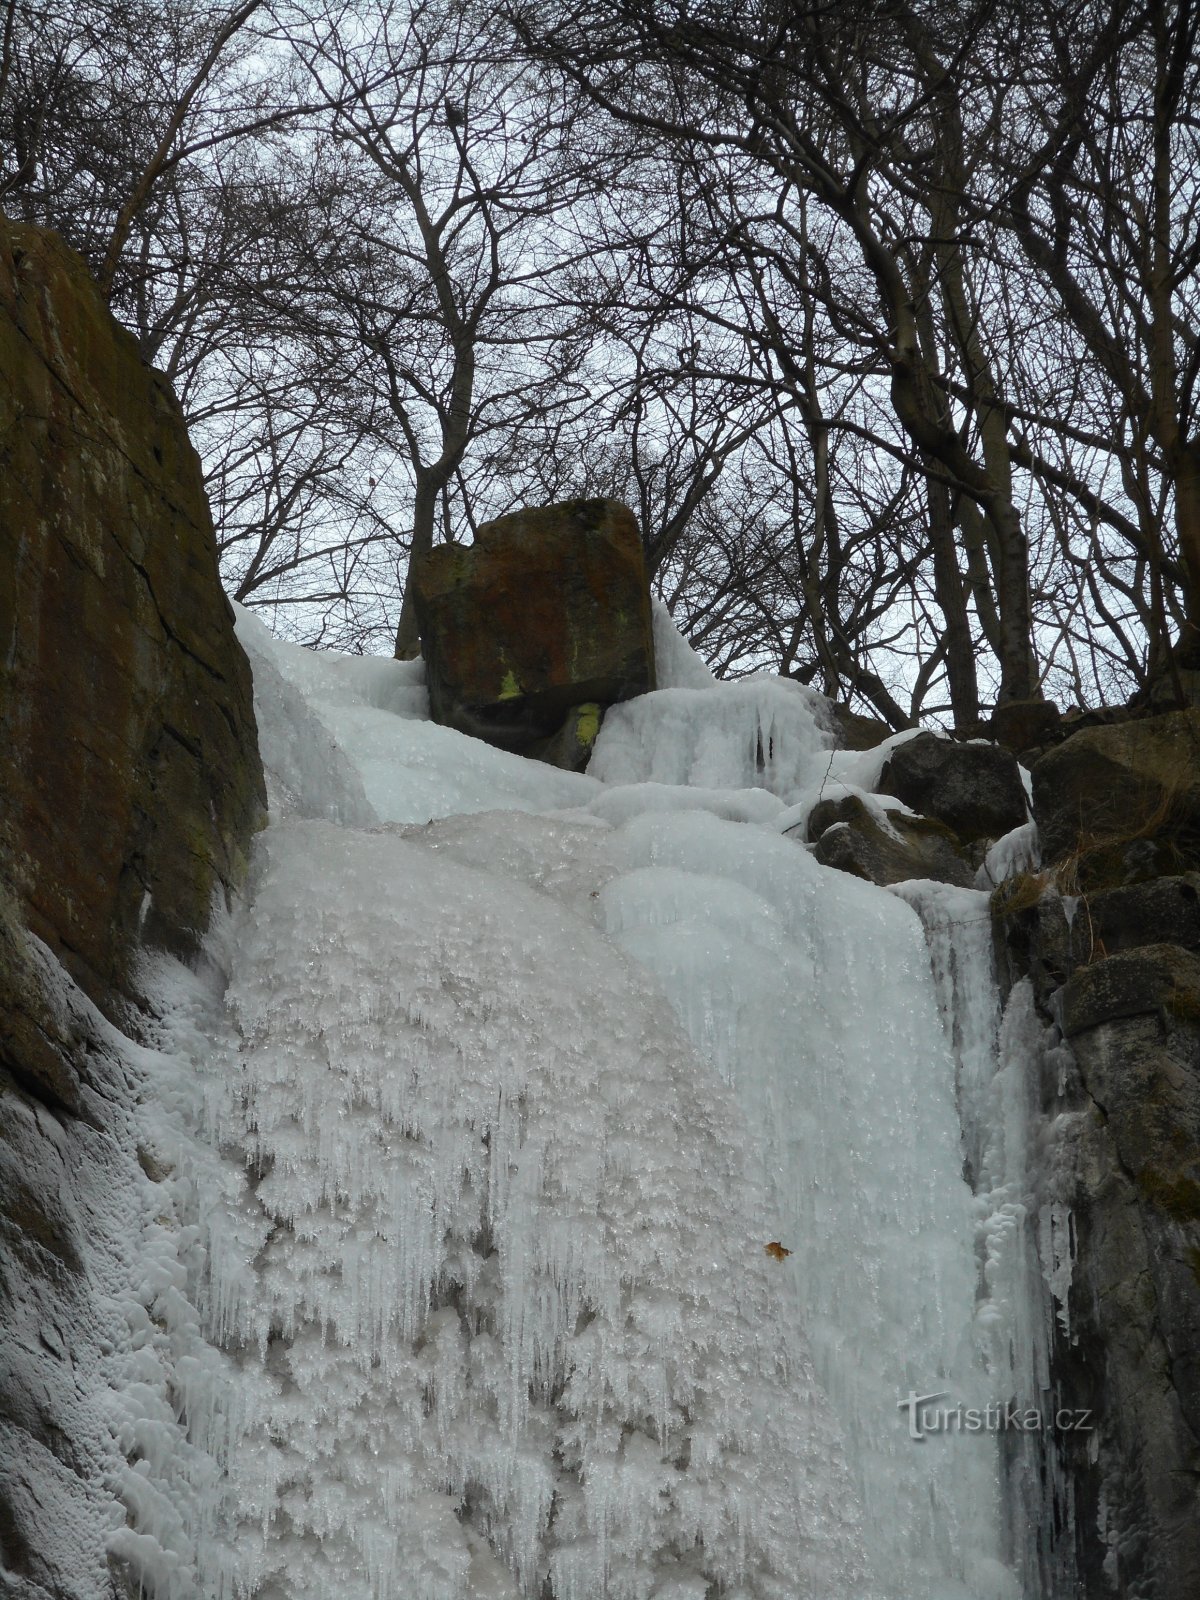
column 510, row 689
column 587, row 723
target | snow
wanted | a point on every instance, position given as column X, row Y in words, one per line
column 346, row 734
column 451, row 1279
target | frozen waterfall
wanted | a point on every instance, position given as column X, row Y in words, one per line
column 472, row 1144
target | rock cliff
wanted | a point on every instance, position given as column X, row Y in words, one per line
column 130, row 785
column 1108, row 933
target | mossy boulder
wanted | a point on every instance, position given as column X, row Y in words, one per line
column 129, row 769
column 1152, row 980
column 888, row 849
column 1123, row 801
column 548, row 611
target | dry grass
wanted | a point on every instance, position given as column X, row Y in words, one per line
column 1163, row 821
column 1019, row 893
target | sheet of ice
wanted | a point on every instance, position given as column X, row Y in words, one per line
column 810, row 992
column 760, row 732
column 474, row 1181
column 1014, row 853
column 619, row 802
column 307, row 771
column 329, row 678
column 676, row 664
column 507, row 1292
column 1025, row 1245
column 372, row 727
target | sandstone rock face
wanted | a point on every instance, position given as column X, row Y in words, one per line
column 128, row 764
column 849, row 836
column 547, row 611
column 975, row 789
column 130, row 786
column 1125, row 799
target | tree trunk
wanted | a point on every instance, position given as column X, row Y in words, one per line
column 949, row 591
column 1187, row 529
column 408, row 637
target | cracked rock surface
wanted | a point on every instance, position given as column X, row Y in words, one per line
column 125, row 700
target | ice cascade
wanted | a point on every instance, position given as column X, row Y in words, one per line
column 568, row 1180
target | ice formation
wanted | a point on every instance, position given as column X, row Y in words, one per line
column 454, row 1279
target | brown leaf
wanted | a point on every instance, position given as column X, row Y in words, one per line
column 777, row 1251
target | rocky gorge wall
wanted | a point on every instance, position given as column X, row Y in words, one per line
column 1096, row 913
column 1107, row 932
column 130, row 786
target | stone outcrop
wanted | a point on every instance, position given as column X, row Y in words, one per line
column 888, row 849
column 1152, row 980
column 545, row 615
column 975, row 789
column 1123, row 800
column 127, row 765
column 958, row 796
column 1121, row 1154
column 130, row 786
column 1116, row 974
column 1160, row 911
column 853, row 730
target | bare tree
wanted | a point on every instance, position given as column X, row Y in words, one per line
column 450, row 294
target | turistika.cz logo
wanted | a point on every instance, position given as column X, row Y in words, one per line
column 925, row 1416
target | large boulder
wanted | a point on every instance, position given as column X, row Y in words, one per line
column 1124, row 800
column 853, row 730
column 548, row 611
column 130, row 785
column 129, row 766
column 1161, row 911
column 975, row 789
column 1153, row 980
column 887, row 848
